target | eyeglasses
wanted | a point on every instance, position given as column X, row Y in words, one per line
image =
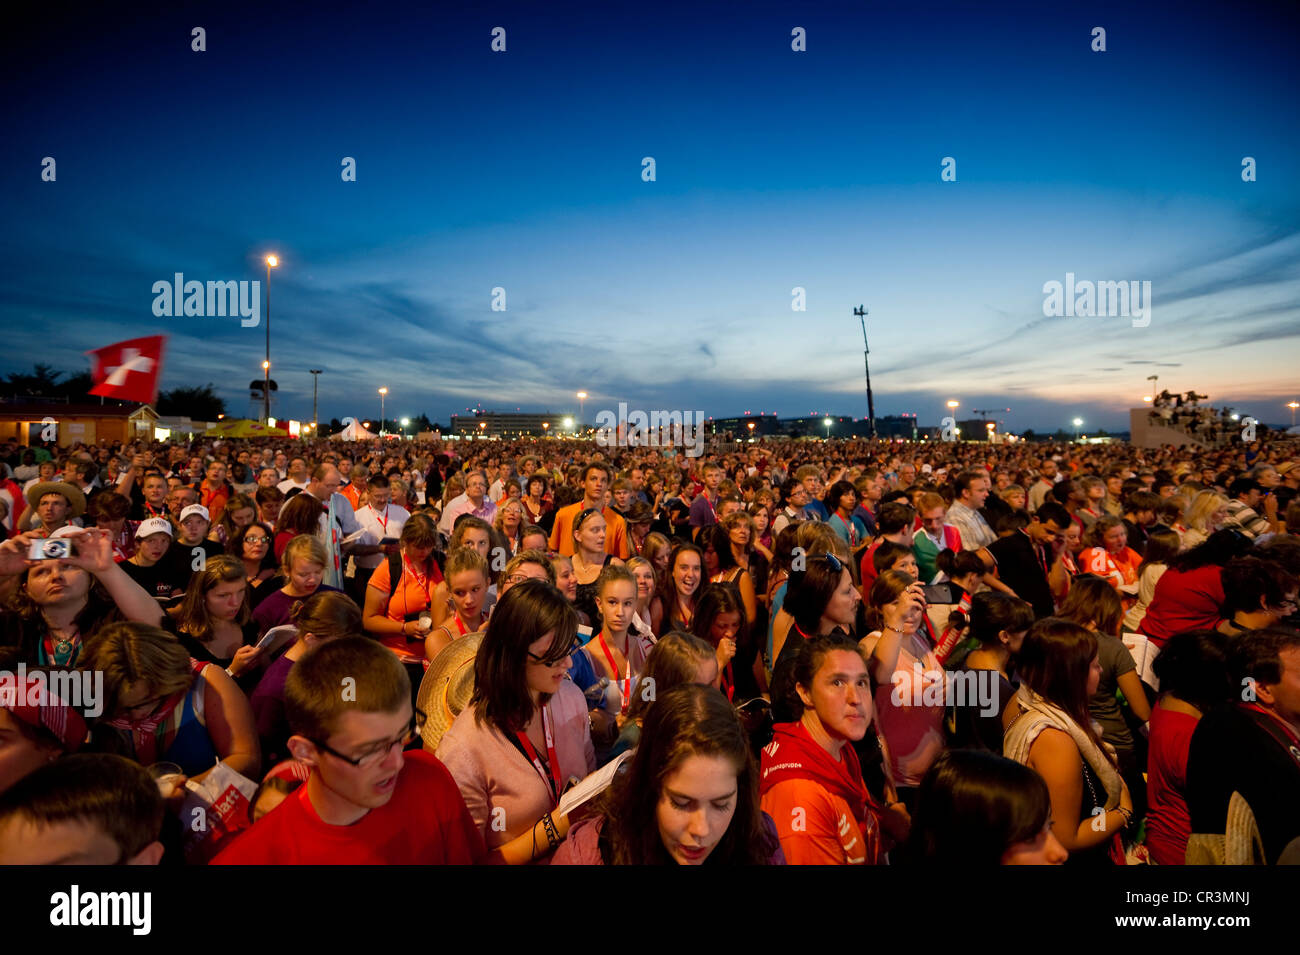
column 376, row 753
column 256, row 540
column 554, row 662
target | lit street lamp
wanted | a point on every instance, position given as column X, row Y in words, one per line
column 383, row 393
column 1078, row 423
column 271, row 262
column 404, row 422
column 582, row 404
column 1293, row 405
column 828, row 423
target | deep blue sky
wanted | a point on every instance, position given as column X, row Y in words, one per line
column 775, row 169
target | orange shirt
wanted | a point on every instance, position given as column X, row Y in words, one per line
column 815, row 826
column 615, row 532
column 411, row 596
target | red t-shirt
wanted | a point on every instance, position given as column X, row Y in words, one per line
column 867, row 568
column 425, row 823
column 1184, row 600
column 1169, row 822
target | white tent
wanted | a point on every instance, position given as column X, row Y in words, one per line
column 353, row 432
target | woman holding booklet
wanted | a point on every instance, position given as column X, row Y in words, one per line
column 525, row 736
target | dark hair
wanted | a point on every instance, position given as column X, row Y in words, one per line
column 667, row 588
column 1256, row 654
column 419, row 531
column 112, row 793
column 964, row 479
column 887, row 553
column 1242, row 485
column 1143, row 500
column 811, row 589
column 300, row 515
column 715, row 600
column 1162, row 545
column 894, row 517
column 671, row 662
column 992, row 612
column 1247, row 580
column 972, row 807
column 1052, row 511
column 527, row 612
column 235, row 545
column 688, row 720
column 832, row 499
column 1093, row 600
column 1217, row 549
column 107, row 506
column 326, row 615
column 1193, row 666
column 811, row 654
column 960, row 563
column 1054, row 662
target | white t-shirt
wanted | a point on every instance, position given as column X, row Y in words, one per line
column 375, row 526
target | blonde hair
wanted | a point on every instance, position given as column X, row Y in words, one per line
column 304, row 547
column 1202, row 508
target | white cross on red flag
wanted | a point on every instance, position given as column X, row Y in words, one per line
column 130, row 370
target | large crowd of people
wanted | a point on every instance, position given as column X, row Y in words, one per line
column 555, row 651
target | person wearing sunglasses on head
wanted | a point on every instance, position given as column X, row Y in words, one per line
column 367, row 801
column 525, row 733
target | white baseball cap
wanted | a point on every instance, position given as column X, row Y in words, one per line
column 154, row 525
column 67, row 530
column 198, row 509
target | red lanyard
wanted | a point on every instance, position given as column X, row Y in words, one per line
column 384, row 523
column 460, row 626
column 687, row 616
column 422, row 580
column 626, row 683
column 152, row 513
column 551, row 779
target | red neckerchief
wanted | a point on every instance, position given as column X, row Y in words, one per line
column 625, row 685
column 551, row 779
column 794, row 754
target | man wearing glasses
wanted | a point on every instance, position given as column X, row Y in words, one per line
column 368, row 801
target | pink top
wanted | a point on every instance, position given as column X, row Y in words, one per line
column 910, row 711
column 503, row 791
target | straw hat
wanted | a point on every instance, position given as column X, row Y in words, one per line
column 70, row 491
column 446, row 688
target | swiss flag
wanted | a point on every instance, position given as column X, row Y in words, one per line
column 129, row 371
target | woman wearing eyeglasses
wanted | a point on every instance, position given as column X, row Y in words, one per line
column 525, row 734
column 162, row 706
column 252, row 545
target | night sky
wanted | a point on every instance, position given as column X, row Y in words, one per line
column 774, row 170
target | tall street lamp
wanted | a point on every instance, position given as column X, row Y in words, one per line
column 315, row 380
column 271, row 262
column 582, row 404
column 1078, row 423
column 828, row 423
column 383, row 393
column 1293, row 405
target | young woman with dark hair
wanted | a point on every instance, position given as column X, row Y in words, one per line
column 679, row 588
column 524, row 735
column 690, row 795
column 999, row 623
column 251, row 545
column 840, row 502
column 1053, row 734
column 979, row 809
column 300, row 515
column 1194, row 676
column 812, row 782
column 589, row 557
column 720, row 619
column 822, row 599
column 1092, row 603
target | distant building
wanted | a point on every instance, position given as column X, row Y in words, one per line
column 28, row 421
column 490, row 424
